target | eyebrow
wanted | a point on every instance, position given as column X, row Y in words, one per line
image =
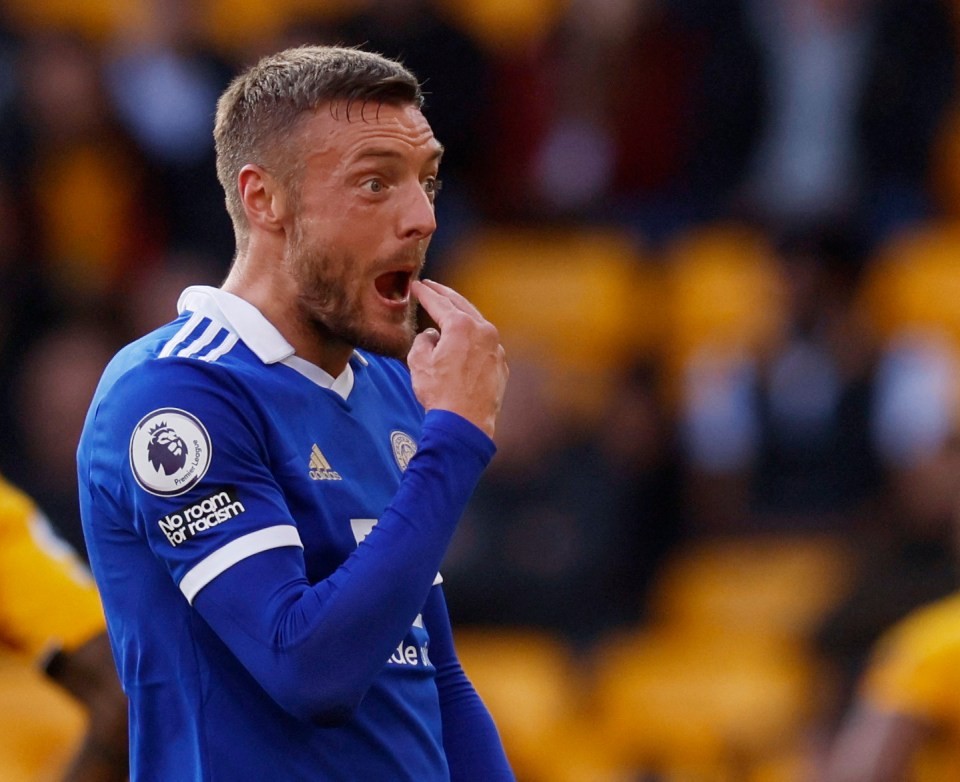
column 379, row 152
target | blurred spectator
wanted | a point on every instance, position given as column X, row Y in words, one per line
column 50, row 614
column 817, row 465
column 21, row 298
column 164, row 81
column 858, row 90
column 12, row 131
column 150, row 295
column 52, row 394
column 918, row 393
column 567, row 528
column 904, row 723
column 83, row 180
column 641, row 112
column 53, row 374
column 908, row 558
column 777, row 435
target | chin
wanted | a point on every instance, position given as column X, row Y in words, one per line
column 395, row 344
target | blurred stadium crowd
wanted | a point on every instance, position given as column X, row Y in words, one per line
column 721, row 241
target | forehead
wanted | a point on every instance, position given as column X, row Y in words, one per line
column 350, row 132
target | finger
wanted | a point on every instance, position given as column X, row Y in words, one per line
column 431, row 336
column 423, row 344
column 438, row 306
column 459, row 300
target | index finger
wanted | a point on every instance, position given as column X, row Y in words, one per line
column 460, row 301
column 438, row 306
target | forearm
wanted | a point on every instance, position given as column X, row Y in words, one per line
column 470, row 738
column 876, row 745
column 285, row 630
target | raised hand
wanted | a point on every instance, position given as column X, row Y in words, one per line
column 462, row 367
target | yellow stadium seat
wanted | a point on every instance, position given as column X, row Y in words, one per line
column 534, row 688
column 239, row 26
column 914, row 283
column 797, row 764
column 86, row 195
column 583, row 301
column 93, row 19
column 698, row 704
column 722, row 682
column 724, row 290
column 505, row 24
column 779, row 586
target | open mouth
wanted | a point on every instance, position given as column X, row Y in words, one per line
column 394, row 286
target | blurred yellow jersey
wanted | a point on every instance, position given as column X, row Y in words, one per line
column 48, row 599
column 916, row 671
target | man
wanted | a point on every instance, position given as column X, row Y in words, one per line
column 266, row 491
column 904, row 720
column 50, row 613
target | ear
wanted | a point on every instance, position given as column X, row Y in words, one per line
column 263, row 199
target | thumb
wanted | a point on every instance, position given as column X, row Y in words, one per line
column 423, row 344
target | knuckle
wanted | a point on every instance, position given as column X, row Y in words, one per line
column 488, row 331
column 459, row 319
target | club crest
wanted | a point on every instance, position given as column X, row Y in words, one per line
column 403, row 448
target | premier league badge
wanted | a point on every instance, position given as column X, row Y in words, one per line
column 170, row 452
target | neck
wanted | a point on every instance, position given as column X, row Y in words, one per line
column 276, row 298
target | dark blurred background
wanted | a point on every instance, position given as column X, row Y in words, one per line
column 721, row 241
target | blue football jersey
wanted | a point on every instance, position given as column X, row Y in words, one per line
column 209, row 444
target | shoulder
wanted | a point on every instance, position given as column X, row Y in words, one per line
column 192, row 339
column 918, row 660
column 927, row 631
column 189, row 355
column 148, row 385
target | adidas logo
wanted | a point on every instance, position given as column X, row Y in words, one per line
column 320, row 467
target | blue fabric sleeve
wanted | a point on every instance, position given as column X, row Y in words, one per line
column 317, row 648
column 470, row 739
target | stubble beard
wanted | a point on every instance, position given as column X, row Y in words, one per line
column 334, row 311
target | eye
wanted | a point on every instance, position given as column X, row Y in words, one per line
column 374, row 185
column 431, row 186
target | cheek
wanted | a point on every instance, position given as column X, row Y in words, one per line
column 337, row 253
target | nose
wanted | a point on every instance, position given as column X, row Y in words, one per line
column 417, row 219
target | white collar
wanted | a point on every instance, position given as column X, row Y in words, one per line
column 259, row 334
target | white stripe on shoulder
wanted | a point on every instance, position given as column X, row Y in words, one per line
column 202, row 341
column 224, row 347
column 185, row 329
column 233, row 552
